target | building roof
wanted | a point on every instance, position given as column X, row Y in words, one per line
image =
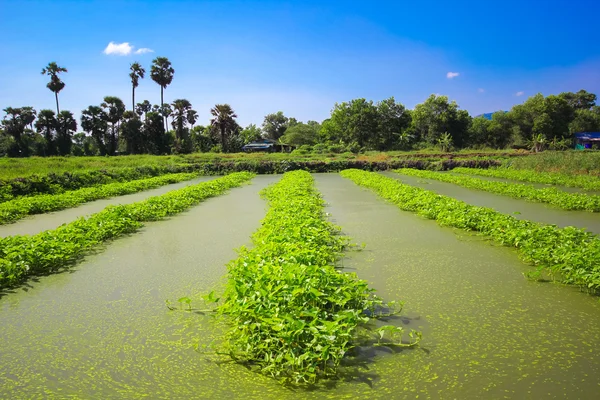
column 588, row 136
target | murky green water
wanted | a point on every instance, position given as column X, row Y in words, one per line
column 103, row 330
column 488, row 332
column 521, row 209
column 42, row 222
column 536, row 185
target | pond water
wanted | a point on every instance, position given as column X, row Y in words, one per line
column 521, row 209
column 487, row 331
column 42, row 222
column 536, row 185
column 103, row 330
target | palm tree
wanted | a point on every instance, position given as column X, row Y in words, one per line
column 55, row 84
column 162, row 72
column 94, row 122
column 143, row 108
column 47, row 125
column 182, row 112
column 137, row 73
column 166, row 111
column 66, row 125
column 192, row 117
column 14, row 123
column 223, row 120
column 113, row 109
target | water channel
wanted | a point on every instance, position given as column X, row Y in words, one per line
column 41, row 222
column 519, row 208
column 103, row 330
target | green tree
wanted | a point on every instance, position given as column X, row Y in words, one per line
column 581, row 100
column 539, row 116
column 55, row 85
column 274, row 125
column 14, row 124
column 586, row 120
column 202, row 138
column 182, row 109
column 437, row 116
column 137, row 73
column 95, row 122
column 250, row 134
column 353, row 123
column 47, row 126
column 113, row 110
column 300, row 134
column 154, row 133
column 224, row 121
column 394, row 119
column 132, row 134
column 66, row 127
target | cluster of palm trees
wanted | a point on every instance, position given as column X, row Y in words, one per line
column 110, row 127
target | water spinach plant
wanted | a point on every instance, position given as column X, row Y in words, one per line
column 53, row 250
column 553, row 196
column 294, row 315
column 524, row 175
column 20, row 207
column 570, row 255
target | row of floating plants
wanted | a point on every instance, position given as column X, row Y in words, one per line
column 553, row 196
column 53, row 250
column 293, row 314
column 18, row 208
column 55, row 183
column 570, row 255
column 524, row 175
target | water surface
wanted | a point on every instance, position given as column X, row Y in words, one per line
column 487, row 331
column 519, row 208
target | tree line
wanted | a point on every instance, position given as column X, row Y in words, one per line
column 358, row 125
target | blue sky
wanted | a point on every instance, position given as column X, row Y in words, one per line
column 301, row 57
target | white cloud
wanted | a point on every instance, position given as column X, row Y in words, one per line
column 519, row 94
column 452, row 75
column 144, row 50
column 480, row 90
column 119, row 49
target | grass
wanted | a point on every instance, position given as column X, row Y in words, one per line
column 11, row 168
column 566, row 162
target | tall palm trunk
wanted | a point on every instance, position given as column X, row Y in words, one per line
column 57, row 109
column 223, row 139
column 161, row 106
column 133, row 99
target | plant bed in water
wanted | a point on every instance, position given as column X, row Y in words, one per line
column 294, row 315
column 569, row 254
column 19, row 208
column 553, row 196
column 54, row 183
column 51, row 251
column 586, row 182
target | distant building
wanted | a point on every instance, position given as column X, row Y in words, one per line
column 267, row 145
column 587, row 140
